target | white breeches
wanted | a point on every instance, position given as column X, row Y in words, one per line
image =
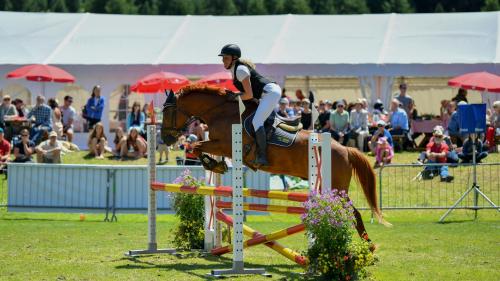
column 270, row 98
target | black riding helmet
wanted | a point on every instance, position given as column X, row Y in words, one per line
column 230, row 50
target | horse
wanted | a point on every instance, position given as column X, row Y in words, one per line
column 219, row 109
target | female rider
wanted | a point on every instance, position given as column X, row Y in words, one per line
column 252, row 85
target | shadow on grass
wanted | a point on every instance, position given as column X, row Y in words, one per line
column 220, row 263
column 49, row 220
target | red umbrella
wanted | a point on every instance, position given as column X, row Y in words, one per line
column 220, row 79
column 479, row 81
column 42, row 73
column 159, row 82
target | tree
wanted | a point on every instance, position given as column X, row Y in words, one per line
column 58, row 6
column 178, row 7
column 351, row 6
column 149, row 7
column 491, row 5
column 439, row 8
column 6, row 5
column 35, row 6
column 73, row 5
column 120, row 7
column 96, row 6
column 221, row 7
column 297, row 7
column 275, row 7
column 323, row 7
column 256, row 7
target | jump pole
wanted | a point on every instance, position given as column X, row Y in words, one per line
column 319, row 159
column 237, row 183
column 152, row 207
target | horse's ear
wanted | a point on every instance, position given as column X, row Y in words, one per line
column 170, row 97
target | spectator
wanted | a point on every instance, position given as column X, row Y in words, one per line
column 306, row 116
column 119, row 141
column 495, row 118
column 364, row 103
column 49, row 151
column 324, row 110
column 378, row 114
column 97, row 141
column 466, row 154
column 189, row 145
column 161, row 147
column 461, row 96
column 296, row 107
column 444, row 113
column 6, row 110
column 380, row 132
column 284, row 110
column 68, row 118
column 136, row 118
column 384, row 153
column 94, row 107
column 339, row 123
column 135, row 146
column 436, row 152
column 57, row 125
column 283, row 93
column 198, row 129
column 20, row 108
column 4, row 150
column 454, row 124
column 359, row 124
column 24, row 148
column 452, row 155
column 405, row 100
column 43, row 119
column 299, row 95
column 398, row 119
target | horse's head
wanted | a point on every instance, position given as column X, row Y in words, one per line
column 171, row 131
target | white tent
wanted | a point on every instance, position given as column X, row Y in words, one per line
column 115, row 49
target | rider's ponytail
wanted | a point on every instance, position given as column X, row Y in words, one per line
column 247, row 62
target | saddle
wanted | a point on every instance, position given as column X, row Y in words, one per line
column 280, row 131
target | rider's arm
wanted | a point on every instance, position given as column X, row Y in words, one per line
column 248, row 94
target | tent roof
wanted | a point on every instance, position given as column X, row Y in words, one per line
column 101, row 39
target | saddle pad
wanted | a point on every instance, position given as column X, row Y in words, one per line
column 279, row 136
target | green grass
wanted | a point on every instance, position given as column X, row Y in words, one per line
column 39, row 246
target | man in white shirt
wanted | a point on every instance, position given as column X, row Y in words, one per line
column 359, row 124
column 49, row 151
column 69, row 116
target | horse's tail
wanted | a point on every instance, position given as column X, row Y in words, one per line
column 366, row 177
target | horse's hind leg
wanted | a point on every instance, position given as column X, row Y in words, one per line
column 360, row 227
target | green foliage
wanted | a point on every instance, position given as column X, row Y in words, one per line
column 189, row 234
column 351, row 6
column 297, row 7
column 74, row 6
column 120, row 7
column 323, row 7
column 35, row 6
column 334, row 254
column 58, row 6
column 149, row 7
column 6, row 5
column 256, row 7
column 491, row 5
column 275, row 6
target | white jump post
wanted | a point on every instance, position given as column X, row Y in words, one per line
column 320, row 152
column 237, row 182
column 152, row 244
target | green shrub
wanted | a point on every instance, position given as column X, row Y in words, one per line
column 189, row 234
column 334, row 254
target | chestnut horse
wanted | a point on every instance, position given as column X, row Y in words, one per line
column 219, row 110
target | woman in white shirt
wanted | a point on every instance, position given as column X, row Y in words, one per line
column 252, row 85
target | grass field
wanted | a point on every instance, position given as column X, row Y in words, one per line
column 37, row 246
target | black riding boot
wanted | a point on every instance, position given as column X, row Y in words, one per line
column 261, row 138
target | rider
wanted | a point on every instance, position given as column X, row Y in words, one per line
column 252, row 85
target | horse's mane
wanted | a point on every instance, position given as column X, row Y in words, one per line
column 205, row 89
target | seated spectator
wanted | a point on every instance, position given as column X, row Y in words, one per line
column 68, row 118
column 161, row 147
column 135, row 146
column 189, row 145
column 378, row 114
column 466, row 154
column 284, row 109
column 359, row 124
column 43, row 119
column 136, row 118
column 6, row 110
column 296, row 106
column 119, row 141
column 495, row 118
column 20, row 108
column 384, row 153
column 4, row 150
column 398, row 119
column 451, row 157
column 380, row 132
column 97, row 141
column 454, row 124
column 49, row 151
column 324, row 110
column 306, row 116
column 339, row 123
column 436, row 153
column 444, row 113
column 57, row 125
column 24, row 148
column 461, row 96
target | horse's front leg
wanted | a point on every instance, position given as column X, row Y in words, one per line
column 208, row 162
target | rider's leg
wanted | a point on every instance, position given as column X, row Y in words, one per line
column 269, row 100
